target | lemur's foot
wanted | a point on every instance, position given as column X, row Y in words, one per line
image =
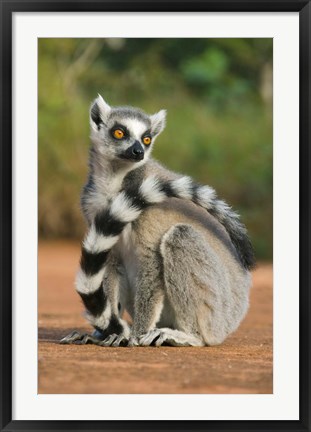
column 97, row 338
column 78, row 338
column 168, row 337
column 133, row 341
column 114, row 340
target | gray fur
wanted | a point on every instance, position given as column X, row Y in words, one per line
column 210, row 311
column 175, row 268
column 186, row 276
column 119, row 113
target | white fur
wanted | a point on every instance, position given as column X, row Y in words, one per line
column 95, row 242
column 96, row 201
column 127, row 237
column 158, row 121
column 136, row 127
column 104, row 108
column 117, row 180
column 107, row 186
column 205, row 195
column 88, row 284
column 123, row 210
column 222, row 208
column 150, row 190
column 126, row 328
column 183, row 187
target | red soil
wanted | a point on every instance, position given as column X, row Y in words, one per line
column 242, row 364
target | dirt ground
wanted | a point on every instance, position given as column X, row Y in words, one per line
column 242, row 364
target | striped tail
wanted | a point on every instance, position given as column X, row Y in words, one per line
column 205, row 196
column 125, row 208
column 154, row 190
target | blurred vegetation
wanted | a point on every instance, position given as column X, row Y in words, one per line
column 218, row 93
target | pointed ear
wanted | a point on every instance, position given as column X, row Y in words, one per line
column 99, row 112
column 158, row 122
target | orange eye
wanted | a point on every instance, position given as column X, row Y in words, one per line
column 147, row 140
column 118, row 133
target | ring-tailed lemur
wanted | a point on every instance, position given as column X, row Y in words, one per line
column 159, row 245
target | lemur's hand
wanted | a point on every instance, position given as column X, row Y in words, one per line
column 115, row 340
column 78, row 338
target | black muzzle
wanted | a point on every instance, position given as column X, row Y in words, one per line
column 135, row 152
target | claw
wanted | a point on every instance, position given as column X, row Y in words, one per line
column 114, row 340
column 77, row 338
column 88, row 339
column 150, row 338
column 71, row 338
column 120, row 341
column 109, row 340
column 168, row 337
column 133, row 341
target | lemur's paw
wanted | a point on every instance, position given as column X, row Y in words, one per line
column 78, row 338
column 114, row 340
column 133, row 341
column 168, row 337
column 149, row 338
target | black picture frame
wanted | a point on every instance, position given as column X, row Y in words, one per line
column 7, row 10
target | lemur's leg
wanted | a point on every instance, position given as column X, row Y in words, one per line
column 193, row 283
column 149, row 301
column 149, row 296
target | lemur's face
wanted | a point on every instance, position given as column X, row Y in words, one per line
column 122, row 133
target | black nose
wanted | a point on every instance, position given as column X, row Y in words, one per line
column 137, row 151
column 134, row 153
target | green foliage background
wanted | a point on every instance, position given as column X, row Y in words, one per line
column 218, row 93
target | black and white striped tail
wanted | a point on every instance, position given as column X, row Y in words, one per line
column 102, row 236
column 126, row 207
column 156, row 190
